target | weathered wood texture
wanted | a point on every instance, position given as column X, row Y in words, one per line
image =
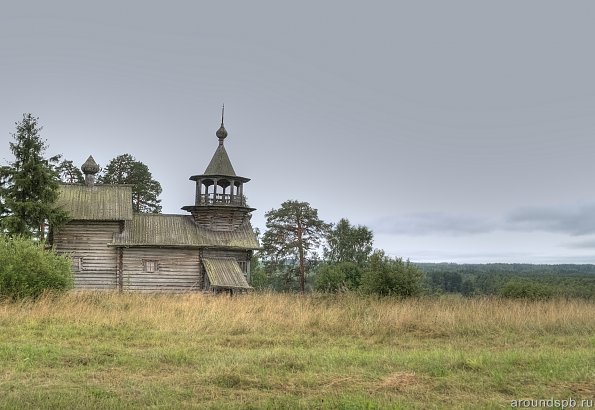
column 97, row 202
column 242, row 257
column 176, row 270
column 225, row 273
column 88, row 240
column 219, row 218
column 169, row 231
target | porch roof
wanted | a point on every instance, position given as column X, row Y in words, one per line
column 225, row 273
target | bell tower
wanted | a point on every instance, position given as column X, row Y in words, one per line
column 220, row 204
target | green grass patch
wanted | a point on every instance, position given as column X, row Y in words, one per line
column 291, row 351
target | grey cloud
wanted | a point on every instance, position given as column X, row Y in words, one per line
column 433, row 223
column 587, row 244
column 574, row 220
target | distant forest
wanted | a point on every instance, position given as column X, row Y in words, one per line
column 513, row 280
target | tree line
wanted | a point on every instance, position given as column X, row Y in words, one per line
column 297, row 245
column 510, row 279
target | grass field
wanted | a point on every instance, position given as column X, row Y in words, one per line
column 109, row 350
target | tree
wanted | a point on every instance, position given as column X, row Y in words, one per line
column 348, row 243
column 294, row 233
column 69, row 173
column 29, row 184
column 125, row 169
column 391, row 277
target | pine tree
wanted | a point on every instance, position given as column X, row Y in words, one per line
column 125, row 169
column 69, row 173
column 293, row 232
column 29, row 184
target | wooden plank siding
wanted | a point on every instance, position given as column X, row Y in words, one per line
column 88, row 240
column 176, row 270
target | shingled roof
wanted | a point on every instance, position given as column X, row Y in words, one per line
column 220, row 164
column 181, row 231
column 225, row 273
column 97, row 202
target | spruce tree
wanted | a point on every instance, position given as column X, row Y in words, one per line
column 29, row 184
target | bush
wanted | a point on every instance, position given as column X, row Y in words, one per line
column 522, row 289
column 335, row 277
column 386, row 276
column 27, row 269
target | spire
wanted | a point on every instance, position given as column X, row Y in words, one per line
column 221, row 132
column 220, row 163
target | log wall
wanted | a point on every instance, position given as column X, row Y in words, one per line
column 88, row 240
column 104, row 267
column 221, row 218
column 176, row 270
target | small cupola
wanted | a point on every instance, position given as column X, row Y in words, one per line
column 90, row 168
column 219, row 201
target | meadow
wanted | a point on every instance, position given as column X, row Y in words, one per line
column 122, row 350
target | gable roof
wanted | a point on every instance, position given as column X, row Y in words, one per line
column 97, row 202
column 181, row 231
column 225, row 273
column 220, row 164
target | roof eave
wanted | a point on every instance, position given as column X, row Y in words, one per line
column 181, row 246
column 207, row 176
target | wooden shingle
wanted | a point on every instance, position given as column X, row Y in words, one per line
column 96, row 203
column 225, row 273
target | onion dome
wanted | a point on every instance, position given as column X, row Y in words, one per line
column 221, row 134
column 90, row 166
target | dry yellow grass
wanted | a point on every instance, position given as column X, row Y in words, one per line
column 334, row 315
column 274, row 350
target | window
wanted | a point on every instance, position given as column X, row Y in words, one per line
column 150, row 265
column 77, row 264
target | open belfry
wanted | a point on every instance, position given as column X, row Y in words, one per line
column 113, row 247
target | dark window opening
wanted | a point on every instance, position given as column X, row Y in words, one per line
column 77, row 264
column 150, row 265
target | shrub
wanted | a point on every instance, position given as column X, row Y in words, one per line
column 386, row 276
column 335, row 277
column 523, row 289
column 27, row 269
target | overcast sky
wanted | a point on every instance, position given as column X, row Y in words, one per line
column 459, row 131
